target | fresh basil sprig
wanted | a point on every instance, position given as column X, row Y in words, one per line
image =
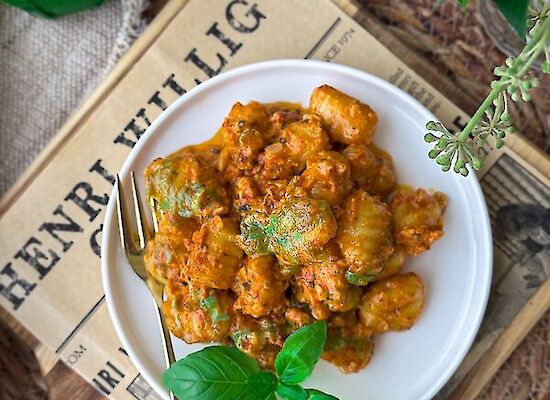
column 53, row 8
column 219, row 372
column 291, row 392
column 300, row 353
column 224, row 373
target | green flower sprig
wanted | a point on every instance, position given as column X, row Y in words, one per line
column 492, row 119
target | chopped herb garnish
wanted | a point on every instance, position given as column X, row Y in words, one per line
column 210, row 305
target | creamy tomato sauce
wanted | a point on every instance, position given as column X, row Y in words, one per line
column 286, row 216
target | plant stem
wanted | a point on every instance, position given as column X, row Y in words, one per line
column 497, row 89
column 538, row 44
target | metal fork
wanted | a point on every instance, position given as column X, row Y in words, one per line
column 134, row 247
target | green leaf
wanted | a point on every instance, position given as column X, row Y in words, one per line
column 210, row 305
column 27, row 5
column 515, row 12
column 254, row 238
column 360, row 280
column 54, row 8
column 429, row 138
column 264, row 384
column 463, row 4
column 215, row 373
column 434, row 153
column 300, row 353
column 291, row 392
column 314, row 394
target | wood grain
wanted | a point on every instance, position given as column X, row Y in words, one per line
column 20, row 374
column 414, row 60
column 63, row 383
column 497, row 354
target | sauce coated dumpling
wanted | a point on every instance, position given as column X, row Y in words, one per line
column 299, row 226
column 417, row 218
column 166, row 254
column 392, row 266
column 371, row 168
column 197, row 315
column 392, row 304
column 347, row 119
column 260, row 287
column 244, row 132
column 327, row 177
column 185, row 185
column 349, row 344
column 215, row 256
column 364, row 233
column 299, row 141
column 325, row 289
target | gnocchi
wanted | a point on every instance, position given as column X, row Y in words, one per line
column 287, row 216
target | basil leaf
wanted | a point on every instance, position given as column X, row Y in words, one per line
column 264, row 385
column 291, row 392
column 27, row 5
column 515, row 12
column 300, row 353
column 463, row 3
column 54, row 8
column 213, row 373
column 314, row 394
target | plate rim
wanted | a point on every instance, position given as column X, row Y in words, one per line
column 483, row 223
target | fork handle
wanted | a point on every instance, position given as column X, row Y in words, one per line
column 167, row 347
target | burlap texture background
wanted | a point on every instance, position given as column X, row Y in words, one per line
column 48, row 66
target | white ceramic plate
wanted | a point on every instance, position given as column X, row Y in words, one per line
column 456, row 271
